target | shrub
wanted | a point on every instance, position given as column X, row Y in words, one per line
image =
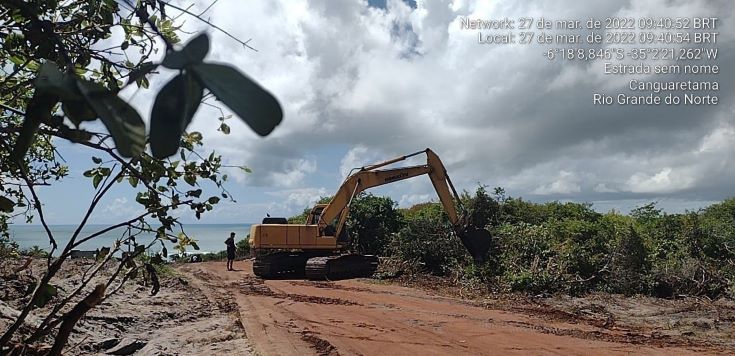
column 35, row 251
column 629, row 265
column 690, row 277
column 371, row 222
column 537, row 282
column 243, row 246
column 482, row 209
column 427, row 241
column 8, row 248
column 528, row 261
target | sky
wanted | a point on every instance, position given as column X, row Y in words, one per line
column 363, row 81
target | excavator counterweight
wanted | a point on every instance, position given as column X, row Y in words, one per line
column 314, row 249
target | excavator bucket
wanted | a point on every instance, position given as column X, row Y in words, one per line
column 476, row 241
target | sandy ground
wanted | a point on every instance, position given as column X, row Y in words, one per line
column 359, row 317
column 203, row 309
column 179, row 320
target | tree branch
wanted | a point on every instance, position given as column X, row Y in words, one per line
column 198, row 17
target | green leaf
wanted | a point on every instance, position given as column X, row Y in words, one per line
column 164, row 252
column 48, row 291
column 246, row 169
column 51, row 80
column 194, row 244
column 133, row 181
column 124, row 45
column 17, row 60
column 37, row 111
column 102, row 253
column 213, row 200
column 123, row 122
column 190, row 179
column 141, row 72
column 193, row 53
column 224, row 128
column 6, row 205
column 143, row 83
column 172, row 112
column 96, row 160
column 78, row 111
column 253, row 104
column 194, row 193
column 96, row 180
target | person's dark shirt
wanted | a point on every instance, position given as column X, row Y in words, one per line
column 230, row 242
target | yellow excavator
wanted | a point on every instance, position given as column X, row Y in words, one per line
column 315, row 249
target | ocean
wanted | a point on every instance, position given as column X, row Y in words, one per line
column 209, row 237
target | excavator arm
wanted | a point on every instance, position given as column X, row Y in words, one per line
column 476, row 240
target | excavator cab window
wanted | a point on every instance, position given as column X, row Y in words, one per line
column 314, row 216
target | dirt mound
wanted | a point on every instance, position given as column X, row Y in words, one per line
column 154, row 323
column 322, row 347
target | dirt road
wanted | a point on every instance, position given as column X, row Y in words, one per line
column 354, row 317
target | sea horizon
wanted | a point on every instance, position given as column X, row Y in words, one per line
column 210, row 237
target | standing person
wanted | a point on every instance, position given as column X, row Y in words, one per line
column 230, row 242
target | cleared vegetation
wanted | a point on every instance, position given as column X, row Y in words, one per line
column 557, row 248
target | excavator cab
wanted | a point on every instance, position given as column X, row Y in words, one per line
column 316, row 211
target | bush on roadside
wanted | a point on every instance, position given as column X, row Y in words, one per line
column 243, row 247
column 8, row 248
column 35, row 251
column 425, row 241
column 371, row 223
column 558, row 247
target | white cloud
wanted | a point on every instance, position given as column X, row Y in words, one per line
column 721, row 139
column 120, row 208
column 293, row 173
column 401, row 79
column 663, row 181
column 356, row 157
column 294, row 200
column 602, row 188
column 565, row 183
column 408, row 200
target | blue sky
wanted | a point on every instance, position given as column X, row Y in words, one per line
column 366, row 81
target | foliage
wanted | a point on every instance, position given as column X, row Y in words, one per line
column 243, row 246
column 60, row 78
column 629, row 262
column 569, row 248
column 482, row 209
column 214, row 256
column 163, row 269
column 35, row 251
column 424, row 241
column 371, row 223
column 183, row 241
column 8, row 248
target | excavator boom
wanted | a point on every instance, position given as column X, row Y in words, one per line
column 476, row 240
column 310, row 248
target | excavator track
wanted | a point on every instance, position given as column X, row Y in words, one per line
column 280, row 265
column 341, row 267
